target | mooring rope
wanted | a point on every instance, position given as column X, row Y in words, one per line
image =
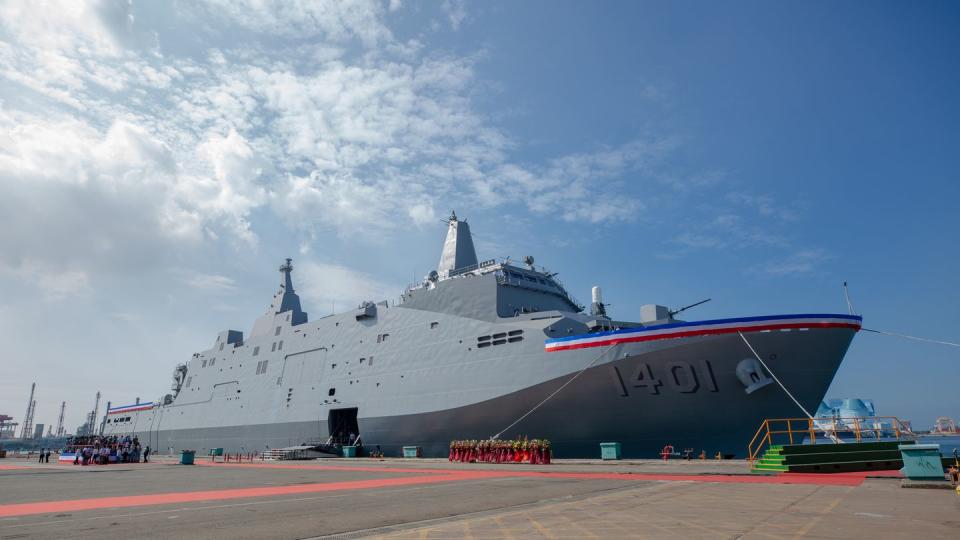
column 555, row 392
column 764, row 364
column 905, row 336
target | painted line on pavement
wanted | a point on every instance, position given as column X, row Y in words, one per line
column 99, row 503
column 432, row 476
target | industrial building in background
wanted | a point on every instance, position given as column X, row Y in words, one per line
column 8, row 428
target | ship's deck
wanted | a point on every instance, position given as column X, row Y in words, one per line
column 435, row 499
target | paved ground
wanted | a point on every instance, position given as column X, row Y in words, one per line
column 435, row 499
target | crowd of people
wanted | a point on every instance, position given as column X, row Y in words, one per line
column 104, row 449
column 536, row 451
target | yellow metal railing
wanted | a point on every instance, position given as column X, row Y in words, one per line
column 831, row 430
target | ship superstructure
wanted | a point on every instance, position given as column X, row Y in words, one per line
column 473, row 348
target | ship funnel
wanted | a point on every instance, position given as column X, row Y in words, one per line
column 458, row 251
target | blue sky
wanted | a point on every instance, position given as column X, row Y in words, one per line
column 158, row 161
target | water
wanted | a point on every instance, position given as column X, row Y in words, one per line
column 947, row 444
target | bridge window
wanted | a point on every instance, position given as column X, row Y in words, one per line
column 280, row 345
column 273, row 348
column 204, row 363
column 256, row 350
column 277, row 333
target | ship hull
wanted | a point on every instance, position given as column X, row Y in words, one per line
column 685, row 392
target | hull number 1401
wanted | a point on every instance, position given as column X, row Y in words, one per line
column 675, row 375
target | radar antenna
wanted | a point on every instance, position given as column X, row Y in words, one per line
column 681, row 310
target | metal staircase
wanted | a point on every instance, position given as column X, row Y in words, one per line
column 772, row 461
column 828, row 445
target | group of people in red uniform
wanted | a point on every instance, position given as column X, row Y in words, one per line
column 535, row 451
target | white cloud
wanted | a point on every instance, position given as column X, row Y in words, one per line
column 332, row 20
column 78, row 200
column 456, row 11
column 801, row 262
column 422, row 214
column 53, row 283
column 593, row 187
column 78, row 28
column 764, row 205
column 324, row 285
column 234, row 188
column 332, row 140
column 340, row 203
column 212, row 283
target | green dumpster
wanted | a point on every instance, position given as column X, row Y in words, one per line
column 921, row 461
column 349, row 451
column 412, row 452
column 609, row 450
column 216, row 451
column 186, row 457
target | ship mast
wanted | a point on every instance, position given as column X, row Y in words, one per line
column 458, row 251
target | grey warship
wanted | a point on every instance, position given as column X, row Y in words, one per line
column 489, row 348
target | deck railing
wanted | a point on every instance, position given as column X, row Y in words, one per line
column 826, row 430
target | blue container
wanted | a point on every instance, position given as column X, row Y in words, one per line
column 921, row 461
column 412, row 452
column 609, row 450
column 349, row 451
column 186, row 457
column 216, row 451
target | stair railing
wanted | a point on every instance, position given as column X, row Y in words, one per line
column 794, row 430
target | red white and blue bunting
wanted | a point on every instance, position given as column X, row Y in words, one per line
column 703, row 328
